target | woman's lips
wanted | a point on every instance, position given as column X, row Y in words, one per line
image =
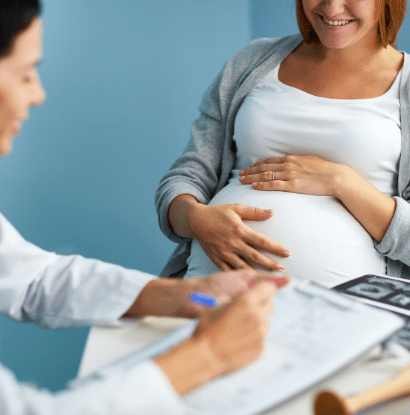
column 335, row 23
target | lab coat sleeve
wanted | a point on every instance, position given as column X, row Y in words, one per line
column 141, row 389
column 58, row 291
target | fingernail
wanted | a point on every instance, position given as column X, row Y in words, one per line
column 268, row 210
column 282, row 269
column 286, row 252
column 254, row 184
column 242, row 178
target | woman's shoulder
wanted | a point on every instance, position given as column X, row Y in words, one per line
column 405, row 83
column 256, row 52
column 262, row 47
column 406, row 66
column 266, row 44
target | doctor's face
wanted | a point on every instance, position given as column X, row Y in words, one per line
column 342, row 23
column 20, row 85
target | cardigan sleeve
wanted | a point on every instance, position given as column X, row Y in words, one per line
column 141, row 389
column 197, row 171
column 395, row 244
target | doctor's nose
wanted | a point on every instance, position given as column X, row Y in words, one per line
column 39, row 95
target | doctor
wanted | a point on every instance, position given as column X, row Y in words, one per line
column 68, row 291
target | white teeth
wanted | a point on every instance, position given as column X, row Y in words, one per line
column 336, row 22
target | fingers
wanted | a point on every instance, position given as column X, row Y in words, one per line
column 234, row 245
column 247, row 251
column 262, row 242
column 226, row 286
column 227, row 260
column 236, row 331
column 251, row 213
column 240, row 259
column 236, row 262
column 278, row 181
column 231, row 284
column 223, row 266
column 257, row 258
column 279, row 280
column 267, row 176
column 265, row 170
column 270, row 160
column 275, row 185
column 254, row 277
column 261, row 293
column 246, row 254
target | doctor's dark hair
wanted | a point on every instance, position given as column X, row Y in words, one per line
column 15, row 17
column 391, row 18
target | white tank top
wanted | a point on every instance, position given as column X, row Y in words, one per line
column 326, row 242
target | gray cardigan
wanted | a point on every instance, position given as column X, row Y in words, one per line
column 205, row 166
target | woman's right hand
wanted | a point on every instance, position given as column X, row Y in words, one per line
column 228, row 241
column 223, row 235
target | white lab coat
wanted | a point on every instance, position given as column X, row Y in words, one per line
column 56, row 291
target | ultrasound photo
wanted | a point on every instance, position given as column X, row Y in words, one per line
column 384, row 292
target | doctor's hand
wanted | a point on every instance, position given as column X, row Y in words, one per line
column 229, row 242
column 236, row 332
column 226, row 339
column 309, row 175
column 170, row 297
column 224, row 286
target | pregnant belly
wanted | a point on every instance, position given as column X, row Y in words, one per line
column 327, row 244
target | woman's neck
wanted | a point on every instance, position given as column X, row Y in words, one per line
column 347, row 73
column 353, row 58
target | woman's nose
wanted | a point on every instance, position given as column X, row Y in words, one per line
column 333, row 7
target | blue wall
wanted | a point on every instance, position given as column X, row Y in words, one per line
column 272, row 18
column 124, row 81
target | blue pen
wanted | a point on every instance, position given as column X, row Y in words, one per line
column 203, row 299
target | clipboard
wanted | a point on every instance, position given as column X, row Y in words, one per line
column 314, row 333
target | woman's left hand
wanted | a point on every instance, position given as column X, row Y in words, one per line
column 309, row 175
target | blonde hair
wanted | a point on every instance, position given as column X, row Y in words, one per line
column 391, row 18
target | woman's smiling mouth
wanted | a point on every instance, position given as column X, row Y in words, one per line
column 336, row 22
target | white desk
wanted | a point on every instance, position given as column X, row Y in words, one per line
column 106, row 344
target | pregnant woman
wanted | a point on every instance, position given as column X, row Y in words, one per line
column 313, row 126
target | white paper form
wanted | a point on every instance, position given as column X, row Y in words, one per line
column 313, row 334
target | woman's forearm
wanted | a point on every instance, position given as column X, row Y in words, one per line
column 372, row 208
column 178, row 214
